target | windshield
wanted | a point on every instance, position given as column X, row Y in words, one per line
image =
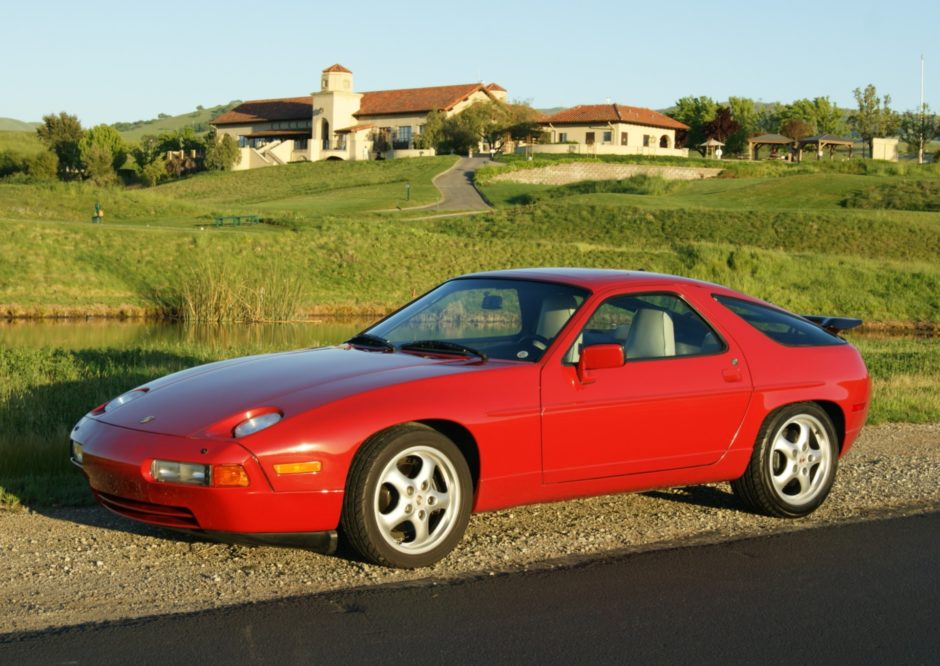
column 504, row 319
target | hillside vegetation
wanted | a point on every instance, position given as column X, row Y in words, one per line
column 781, row 234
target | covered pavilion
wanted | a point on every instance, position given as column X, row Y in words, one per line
column 755, row 143
column 711, row 146
column 822, row 142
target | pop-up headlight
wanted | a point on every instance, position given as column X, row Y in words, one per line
column 124, row 398
column 256, row 424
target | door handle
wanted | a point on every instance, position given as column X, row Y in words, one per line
column 732, row 374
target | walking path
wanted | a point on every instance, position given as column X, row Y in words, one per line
column 456, row 186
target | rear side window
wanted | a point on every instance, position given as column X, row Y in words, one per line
column 783, row 327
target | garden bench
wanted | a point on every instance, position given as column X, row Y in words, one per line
column 236, row 220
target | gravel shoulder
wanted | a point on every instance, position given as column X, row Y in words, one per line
column 74, row 566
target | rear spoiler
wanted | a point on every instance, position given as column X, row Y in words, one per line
column 834, row 325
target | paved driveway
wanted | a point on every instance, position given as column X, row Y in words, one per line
column 456, row 186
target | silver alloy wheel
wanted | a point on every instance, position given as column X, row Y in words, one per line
column 416, row 500
column 800, row 460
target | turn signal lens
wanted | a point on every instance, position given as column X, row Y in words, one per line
column 311, row 467
column 229, row 476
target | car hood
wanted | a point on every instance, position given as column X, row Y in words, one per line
column 189, row 402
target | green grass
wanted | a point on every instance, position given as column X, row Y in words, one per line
column 308, row 189
column 24, row 143
column 197, row 119
column 44, row 391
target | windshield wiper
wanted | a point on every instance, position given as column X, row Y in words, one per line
column 369, row 341
column 443, row 346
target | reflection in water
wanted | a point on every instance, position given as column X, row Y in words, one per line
column 99, row 334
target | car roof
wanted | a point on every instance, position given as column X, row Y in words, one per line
column 595, row 279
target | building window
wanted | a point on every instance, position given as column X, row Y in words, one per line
column 664, row 142
column 563, row 137
column 646, row 140
column 242, row 142
column 589, row 138
column 623, row 138
column 402, row 138
column 608, row 137
column 300, row 144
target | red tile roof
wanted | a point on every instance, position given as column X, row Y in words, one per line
column 336, row 68
column 377, row 103
column 264, row 110
column 355, row 128
column 613, row 113
column 497, row 87
column 415, row 100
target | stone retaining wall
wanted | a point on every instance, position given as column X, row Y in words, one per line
column 572, row 172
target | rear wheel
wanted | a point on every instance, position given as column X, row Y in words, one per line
column 408, row 498
column 793, row 465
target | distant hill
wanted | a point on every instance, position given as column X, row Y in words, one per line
column 198, row 119
column 13, row 125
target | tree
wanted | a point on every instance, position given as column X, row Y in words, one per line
column 61, row 134
column 153, row 172
column 744, row 113
column 222, row 153
column 43, row 166
column 918, row 128
column 99, row 165
column 796, row 128
column 431, row 133
column 830, row 119
column 695, row 112
column 146, row 150
column 722, row 126
column 768, row 118
column 100, row 139
column 801, row 109
column 874, row 116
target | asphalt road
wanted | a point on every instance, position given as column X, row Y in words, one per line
column 456, row 186
column 865, row 592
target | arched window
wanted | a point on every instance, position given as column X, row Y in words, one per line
column 326, row 134
column 664, row 141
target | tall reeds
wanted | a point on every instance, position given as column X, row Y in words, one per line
column 218, row 289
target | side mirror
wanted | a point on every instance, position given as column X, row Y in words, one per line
column 598, row 357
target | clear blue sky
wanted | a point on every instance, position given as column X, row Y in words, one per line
column 109, row 61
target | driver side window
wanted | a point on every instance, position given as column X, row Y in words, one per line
column 648, row 326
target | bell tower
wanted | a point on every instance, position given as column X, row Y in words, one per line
column 336, row 79
column 334, row 109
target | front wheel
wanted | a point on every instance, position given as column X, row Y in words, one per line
column 408, row 498
column 793, row 465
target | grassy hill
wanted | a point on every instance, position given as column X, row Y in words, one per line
column 24, row 143
column 198, row 119
column 786, row 238
column 13, row 125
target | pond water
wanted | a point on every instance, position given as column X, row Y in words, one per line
column 104, row 333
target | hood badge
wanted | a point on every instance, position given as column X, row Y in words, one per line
column 147, row 419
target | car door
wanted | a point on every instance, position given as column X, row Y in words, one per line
column 676, row 401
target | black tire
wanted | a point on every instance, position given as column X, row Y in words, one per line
column 794, row 462
column 408, row 498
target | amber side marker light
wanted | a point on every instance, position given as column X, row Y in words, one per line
column 311, row 467
column 229, row 476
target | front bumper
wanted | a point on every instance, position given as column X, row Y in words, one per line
column 116, row 462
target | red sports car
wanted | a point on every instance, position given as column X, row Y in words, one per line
column 492, row 390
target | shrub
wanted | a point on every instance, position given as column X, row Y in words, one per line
column 917, row 195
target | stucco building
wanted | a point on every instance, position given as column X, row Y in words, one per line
column 337, row 122
column 610, row 129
